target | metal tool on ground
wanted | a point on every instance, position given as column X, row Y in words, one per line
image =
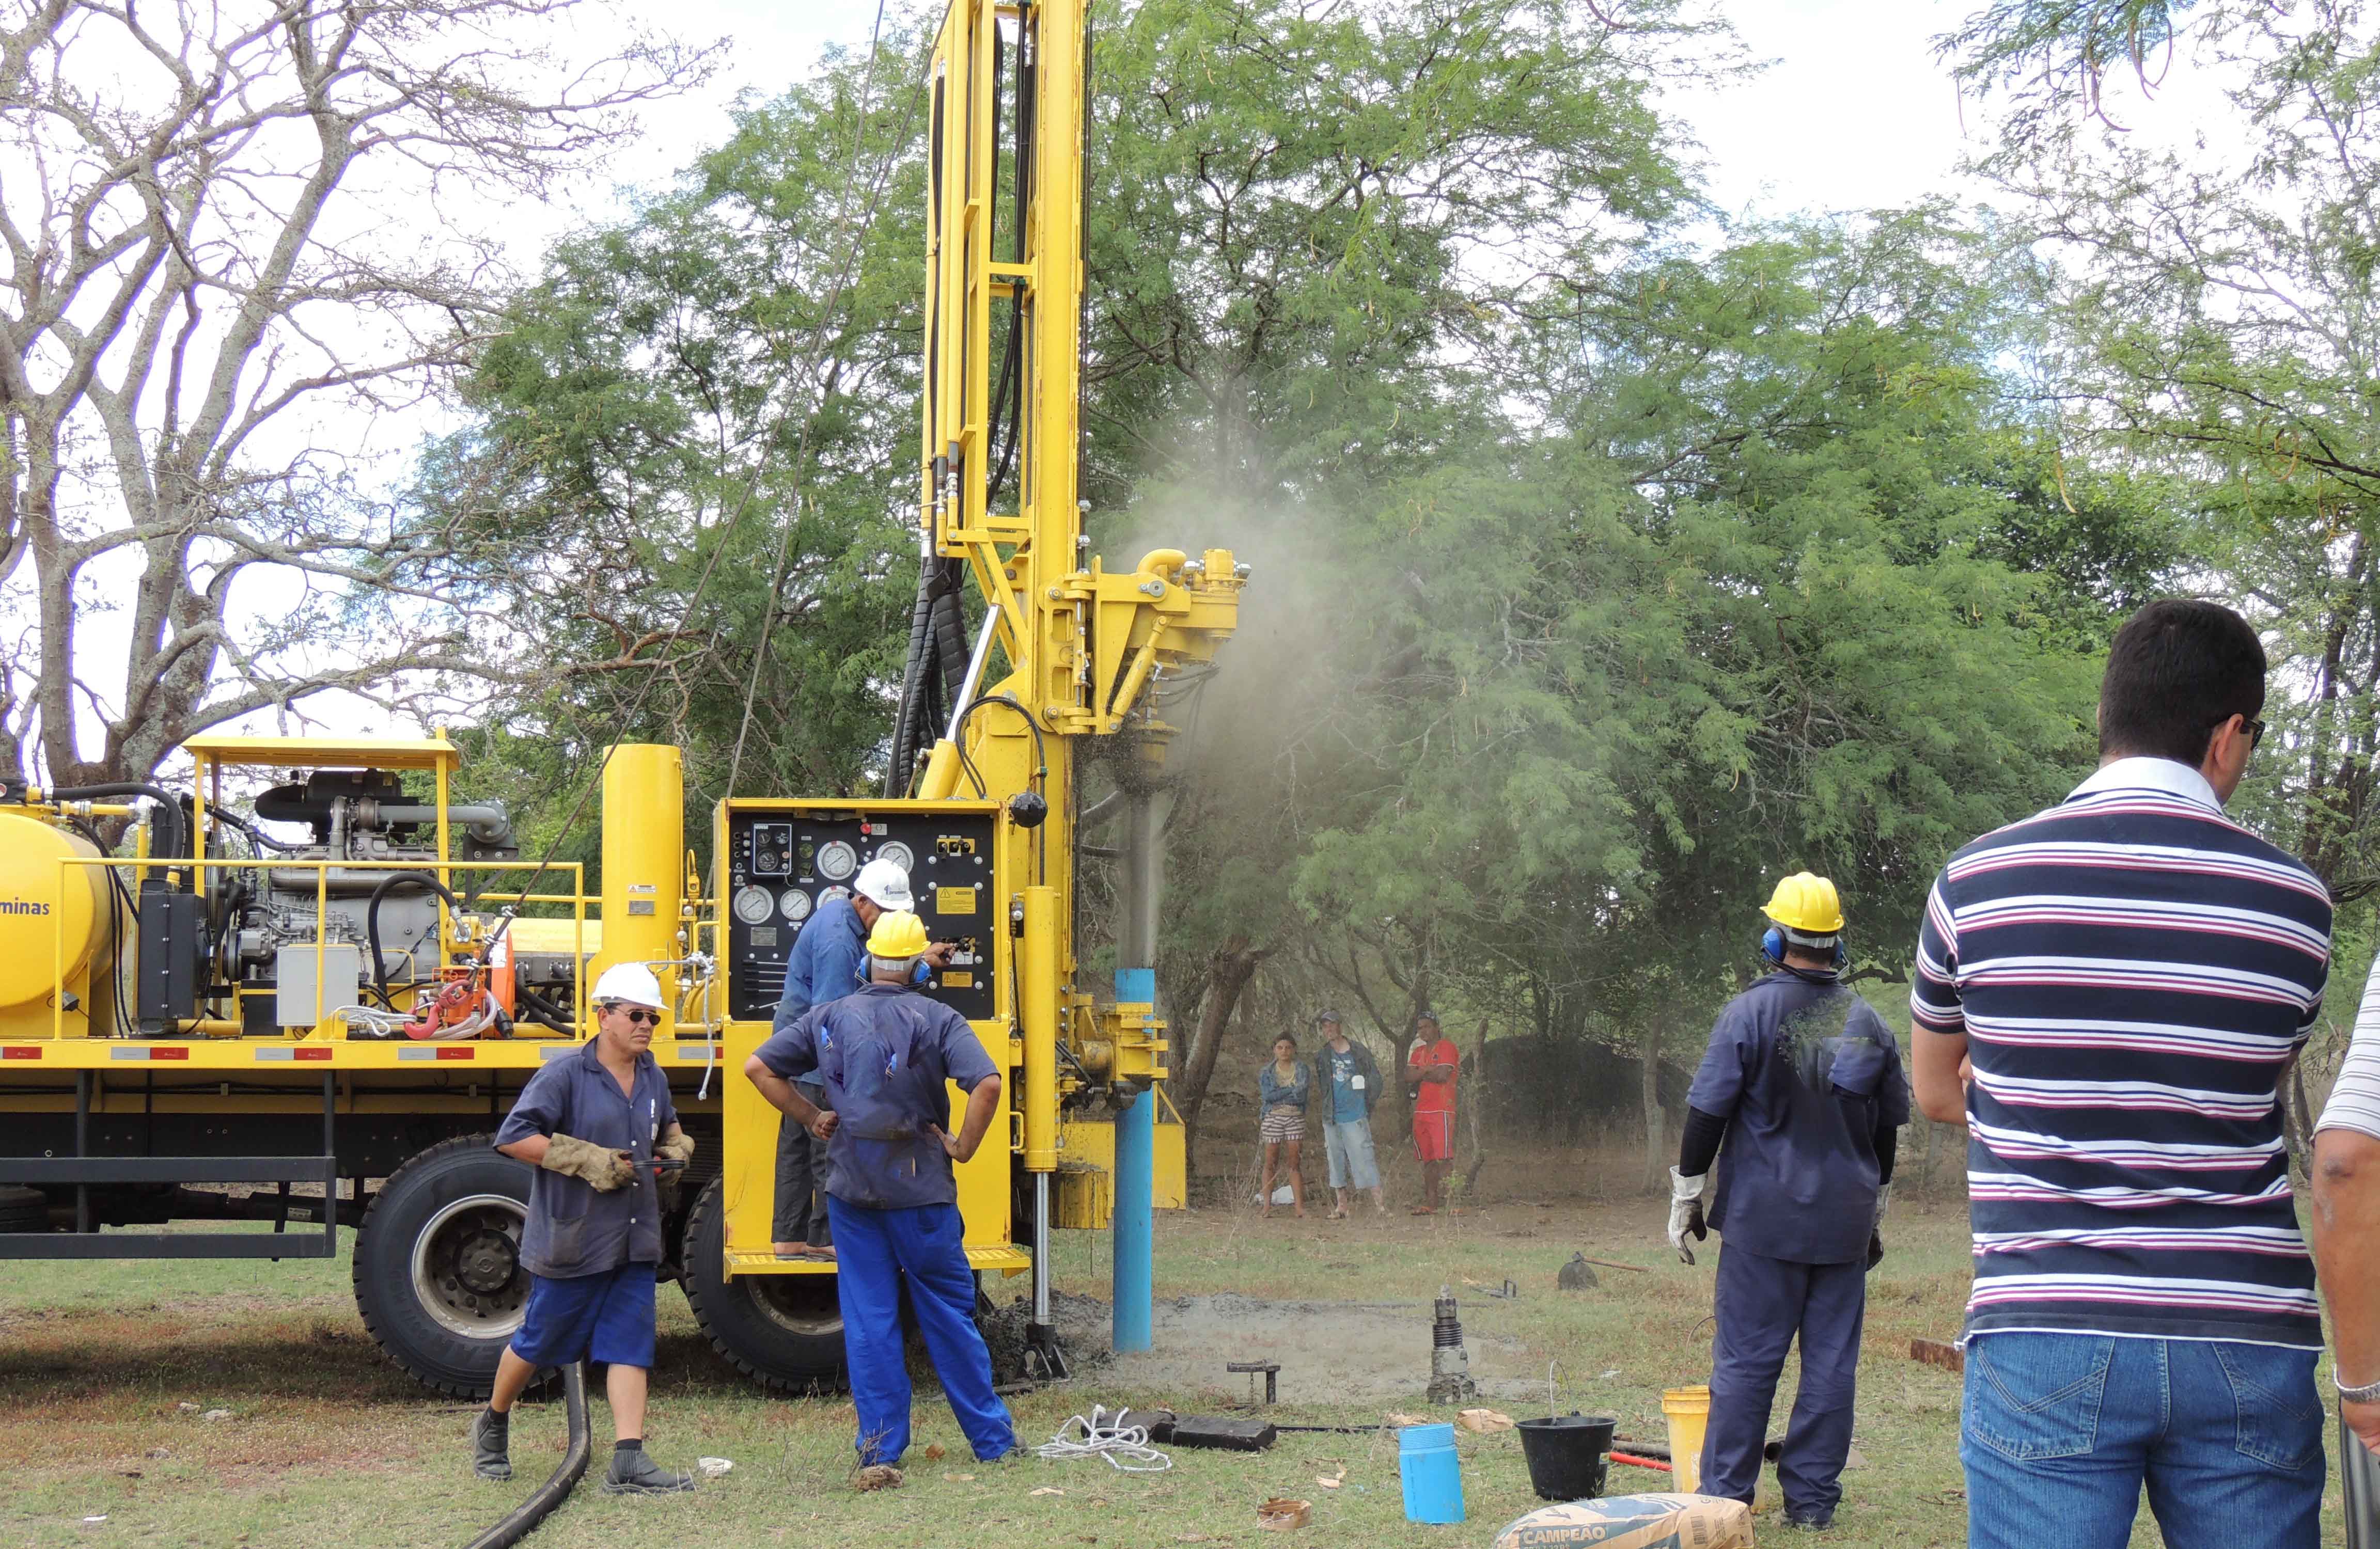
column 1271, row 1370
column 1223, row 1433
column 1636, row 1461
column 1576, row 1276
column 523, row 1520
column 1111, row 1436
column 1450, row 1363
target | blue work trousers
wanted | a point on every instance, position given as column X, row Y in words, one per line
column 2059, row 1432
column 874, row 1250
column 1761, row 1304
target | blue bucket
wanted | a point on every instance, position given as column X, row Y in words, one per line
column 1433, row 1480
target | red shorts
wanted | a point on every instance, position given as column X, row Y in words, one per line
column 1434, row 1134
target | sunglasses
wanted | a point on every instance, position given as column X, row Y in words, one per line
column 2256, row 730
column 640, row 1016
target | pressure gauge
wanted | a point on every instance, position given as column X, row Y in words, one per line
column 754, row 906
column 898, row 854
column 830, row 894
column 795, row 903
column 837, row 860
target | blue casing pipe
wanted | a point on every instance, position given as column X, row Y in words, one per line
column 1136, row 1191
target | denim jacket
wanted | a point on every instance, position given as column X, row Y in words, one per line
column 1274, row 1092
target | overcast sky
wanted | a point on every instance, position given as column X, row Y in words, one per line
column 1852, row 111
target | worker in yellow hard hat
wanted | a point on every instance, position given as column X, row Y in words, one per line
column 886, row 1055
column 1799, row 1100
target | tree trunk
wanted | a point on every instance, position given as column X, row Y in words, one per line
column 1657, row 1159
column 1228, row 972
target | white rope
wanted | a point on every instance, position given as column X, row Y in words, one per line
column 1102, row 1436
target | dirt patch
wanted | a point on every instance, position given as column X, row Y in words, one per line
column 1330, row 1351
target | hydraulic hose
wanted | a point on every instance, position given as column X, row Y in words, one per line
column 371, row 920
column 174, row 844
column 536, row 1008
column 523, row 1519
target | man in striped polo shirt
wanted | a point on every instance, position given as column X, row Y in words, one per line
column 2109, row 994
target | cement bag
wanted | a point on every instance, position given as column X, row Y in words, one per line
column 1634, row 1522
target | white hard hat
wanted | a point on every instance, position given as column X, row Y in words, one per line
column 631, row 983
column 884, row 883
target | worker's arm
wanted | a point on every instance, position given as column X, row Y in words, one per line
column 787, row 1099
column 530, row 1150
column 1937, row 1034
column 2346, row 1219
column 980, row 1103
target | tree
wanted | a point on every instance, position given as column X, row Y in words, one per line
column 199, row 317
column 2215, row 331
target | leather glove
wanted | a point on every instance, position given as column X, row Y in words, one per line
column 602, row 1169
column 678, row 1149
column 1686, row 1211
column 1876, row 1232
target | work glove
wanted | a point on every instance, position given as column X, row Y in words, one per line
column 1876, row 1231
column 1686, row 1211
column 603, row 1170
column 678, row 1148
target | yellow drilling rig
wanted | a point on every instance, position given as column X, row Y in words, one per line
column 324, row 964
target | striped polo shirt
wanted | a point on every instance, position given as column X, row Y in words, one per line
column 2132, row 972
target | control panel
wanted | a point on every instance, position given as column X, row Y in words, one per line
column 785, row 863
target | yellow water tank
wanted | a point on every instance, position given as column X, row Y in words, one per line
column 54, row 918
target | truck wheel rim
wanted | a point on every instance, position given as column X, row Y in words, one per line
column 803, row 1304
column 460, row 1247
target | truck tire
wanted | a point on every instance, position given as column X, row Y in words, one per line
column 437, row 1267
column 783, row 1331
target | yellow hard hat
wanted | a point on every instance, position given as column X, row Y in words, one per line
column 898, row 934
column 1806, row 902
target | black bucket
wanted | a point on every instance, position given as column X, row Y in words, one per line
column 1569, row 1454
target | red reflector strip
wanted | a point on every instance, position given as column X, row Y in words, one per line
column 169, row 1054
column 309, row 1054
column 20, row 1051
column 456, row 1053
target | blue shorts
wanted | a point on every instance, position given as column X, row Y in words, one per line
column 606, row 1317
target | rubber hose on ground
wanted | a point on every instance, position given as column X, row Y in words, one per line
column 524, row 1517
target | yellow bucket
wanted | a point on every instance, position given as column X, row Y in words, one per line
column 1688, row 1411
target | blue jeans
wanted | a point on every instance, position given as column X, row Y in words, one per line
column 1349, row 1147
column 2059, row 1431
column 875, row 1251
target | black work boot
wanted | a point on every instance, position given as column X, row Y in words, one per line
column 633, row 1473
column 490, row 1449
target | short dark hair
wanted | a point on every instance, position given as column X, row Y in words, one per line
column 1289, row 1038
column 2178, row 670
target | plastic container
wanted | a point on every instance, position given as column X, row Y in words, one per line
column 1569, row 1454
column 1688, row 1411
column 1433, row 1479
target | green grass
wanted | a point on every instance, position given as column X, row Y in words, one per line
column 328, row 1445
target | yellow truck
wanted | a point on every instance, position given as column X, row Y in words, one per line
column 304, row 983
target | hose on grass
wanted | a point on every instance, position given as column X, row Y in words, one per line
column 523, row 1519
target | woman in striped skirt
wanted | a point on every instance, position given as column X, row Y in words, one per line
column 1282, row 1087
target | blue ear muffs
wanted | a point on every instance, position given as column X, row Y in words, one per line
column 1772, row 946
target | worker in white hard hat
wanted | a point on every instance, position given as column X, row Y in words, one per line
column 594, row 1125
column 828, row 961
